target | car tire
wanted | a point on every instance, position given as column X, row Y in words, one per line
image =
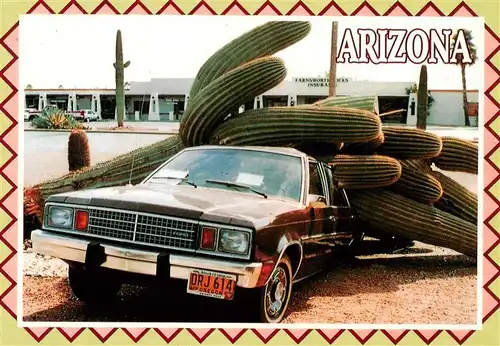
column 272, row 300
column 92, row 288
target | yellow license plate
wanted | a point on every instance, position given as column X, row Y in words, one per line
column 211, row 284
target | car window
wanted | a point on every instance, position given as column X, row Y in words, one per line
column 315, row 185
column 275, row 174
column 339, row 198
column 330, row 182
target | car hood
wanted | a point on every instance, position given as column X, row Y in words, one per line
column 207, row 204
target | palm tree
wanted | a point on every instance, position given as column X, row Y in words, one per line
column 471, row 47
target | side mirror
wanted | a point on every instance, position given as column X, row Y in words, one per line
column 316, row 201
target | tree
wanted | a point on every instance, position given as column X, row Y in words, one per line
column 29, row 86
column 457, row 40
column 333, row 61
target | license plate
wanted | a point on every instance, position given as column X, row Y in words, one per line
column 211, row 284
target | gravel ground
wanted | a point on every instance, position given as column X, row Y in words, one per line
column 423, row 284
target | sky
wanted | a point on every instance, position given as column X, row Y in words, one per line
column 78, row 51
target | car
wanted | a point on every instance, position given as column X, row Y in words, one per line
column 87, row 115
column 231, row 222
column 30, row 114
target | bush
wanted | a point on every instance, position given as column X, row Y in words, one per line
column 52, row 118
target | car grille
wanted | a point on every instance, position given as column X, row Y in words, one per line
column 130, row 226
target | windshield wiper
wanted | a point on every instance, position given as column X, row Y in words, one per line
column 231, row 184
column 184, row 180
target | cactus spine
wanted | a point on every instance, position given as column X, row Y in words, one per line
column 456, row 200
column 365, row 171
column 78, row 150
column 278, row 126
column 417, row 185
column 120, row 79
column 457, row 155
column 406, row 143
column 407, row 218
column 422, row 99
column 212, row 104
column 264, row 40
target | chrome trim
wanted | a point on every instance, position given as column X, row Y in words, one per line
column 293, row 242
column 141, row 261
column 197, row 224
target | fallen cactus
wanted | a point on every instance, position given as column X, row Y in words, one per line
column 311, row 124
column 417, row 185
column 212, row 104
column 408, row 143
column 458, row 155
column 131, row 167
column 365, row 171
column 368, row 103
column 259, row 42
column 457, row 199
column 407, row 218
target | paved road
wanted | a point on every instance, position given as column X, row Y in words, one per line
column 45, row 153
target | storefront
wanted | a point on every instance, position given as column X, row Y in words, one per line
column 166, row 99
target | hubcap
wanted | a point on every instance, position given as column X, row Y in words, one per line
column 276, row 293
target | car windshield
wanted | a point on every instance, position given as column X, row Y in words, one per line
column 252, row 171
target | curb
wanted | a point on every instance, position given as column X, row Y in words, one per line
column 150, row 132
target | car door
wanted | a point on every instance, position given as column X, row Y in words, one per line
column 341, row 210
column 321, row 221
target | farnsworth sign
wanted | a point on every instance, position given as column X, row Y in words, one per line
column 318, row 82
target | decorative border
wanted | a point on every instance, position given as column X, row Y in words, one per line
column 9, row 224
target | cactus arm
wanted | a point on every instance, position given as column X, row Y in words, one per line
column 212, row 104
column 277, row 126
column 127, row 64
column 404, row 217
column 264, row 40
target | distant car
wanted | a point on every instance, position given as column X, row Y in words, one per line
column 30, row 114
column 86, row 115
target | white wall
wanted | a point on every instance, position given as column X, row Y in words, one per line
column 447, row 108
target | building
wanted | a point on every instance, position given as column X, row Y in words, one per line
column 166, row 99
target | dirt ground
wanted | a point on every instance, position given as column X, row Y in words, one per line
column 425, row 285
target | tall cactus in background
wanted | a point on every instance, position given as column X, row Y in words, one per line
column 120, row 80
column 422, row 99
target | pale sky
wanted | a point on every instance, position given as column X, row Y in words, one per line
column 79, row 51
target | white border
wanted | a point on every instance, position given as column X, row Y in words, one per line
column 19, row 287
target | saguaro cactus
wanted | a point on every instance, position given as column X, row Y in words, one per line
column 78, row 150
column 119, row 78
column 422, row 99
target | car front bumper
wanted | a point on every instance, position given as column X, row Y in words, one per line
column 126, row 259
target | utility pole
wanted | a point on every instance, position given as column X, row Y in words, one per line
column 333, row 62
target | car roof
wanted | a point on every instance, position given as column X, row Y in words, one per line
column 278, row 150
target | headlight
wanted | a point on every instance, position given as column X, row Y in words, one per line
column 60, row 217
column 234, row 241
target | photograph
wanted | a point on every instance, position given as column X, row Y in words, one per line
column 251, row 170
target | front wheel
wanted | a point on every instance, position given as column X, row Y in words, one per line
column 92, row 287
column 272, row 300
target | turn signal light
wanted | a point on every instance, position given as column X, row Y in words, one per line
column 208, row 235
column 81, row 220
